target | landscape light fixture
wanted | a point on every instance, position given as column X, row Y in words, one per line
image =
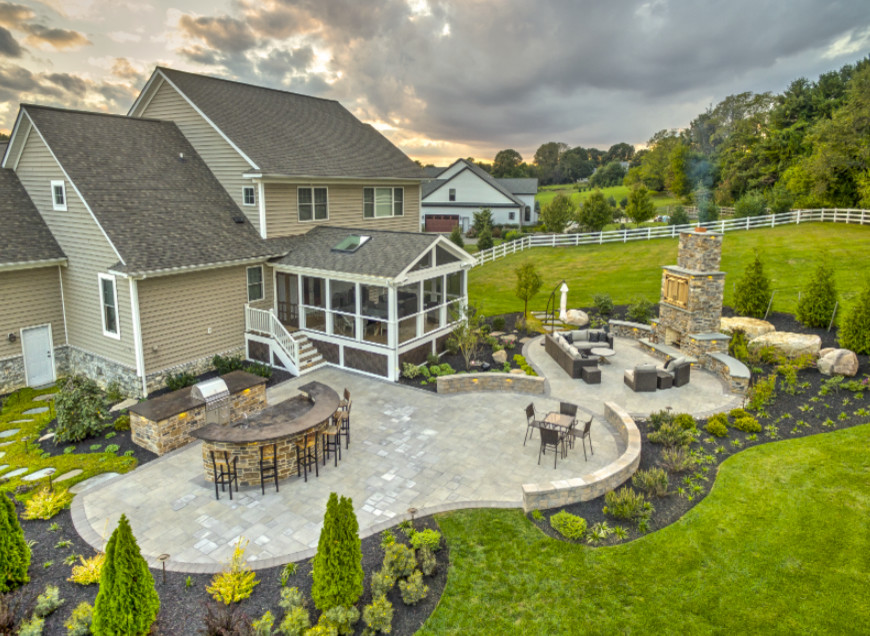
column 163, row 558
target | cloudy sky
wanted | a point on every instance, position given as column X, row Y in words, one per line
column 441, row 78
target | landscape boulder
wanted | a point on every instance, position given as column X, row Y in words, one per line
column 791, row 345
column 499, row 357
column 752, row 327
column 837, row 362
column 576, row 317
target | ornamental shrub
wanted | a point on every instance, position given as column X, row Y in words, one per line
column 750, row 204
column 413, row 589
column 685, row 421
column 382, row 582
column 225, row 364
column 295, row 622
column 484, row 239
column 14, row 553
column 263, row 625
column 717, row 425
column 676, row 459
column 122, row 423
column 735, row 413
column 855, row 327
column 428, row 537
column 89, row 570
column 236, row 582
column 428, row 562
column 747, row 424
column 816, row 305
column 176, row 381
column 738, row 345
column 341, row 619
column 671, row 434
column 80, row 410
column 627, row 504
column 678, row 216
column 498, row 323
column 79, row 622
column 127, row 602
column 337, row 570
column 604, row 304
column 568, row 525
column 32, row 627
column 640, row 310
column 48, row 601
column 652, row 481
column 752, row 294
column 46, row 503
column 399, row 560
column 456, row 236
column 378, row 616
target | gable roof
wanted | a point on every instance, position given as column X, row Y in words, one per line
column 497, row 184
column 386, row 254
column 289, row 134
column 520, row 186
column 154, row 197
column 432, row 172
column 25, row 240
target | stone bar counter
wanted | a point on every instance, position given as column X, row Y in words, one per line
column 282, row 424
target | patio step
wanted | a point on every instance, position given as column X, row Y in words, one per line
column 309, row 357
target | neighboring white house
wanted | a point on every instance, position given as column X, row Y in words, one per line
column 464, row 188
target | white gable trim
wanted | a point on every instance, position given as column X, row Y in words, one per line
column 142, row 101
column 15, row 132
column 81, row 198
column 465, row 259
column 206, row 119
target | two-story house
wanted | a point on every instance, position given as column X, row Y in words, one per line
column 220, row 217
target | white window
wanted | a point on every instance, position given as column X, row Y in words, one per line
column 109, row 306
column 255, row 283
column 312, row 204
column 248, row 195
column 58, row 195
column 380, row 202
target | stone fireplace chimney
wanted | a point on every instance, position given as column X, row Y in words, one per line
column 691, row 300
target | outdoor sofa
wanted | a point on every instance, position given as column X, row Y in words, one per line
column 576, row 363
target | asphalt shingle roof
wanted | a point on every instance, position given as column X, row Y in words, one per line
column 24, row 236
column 520, row 186
column 294, row 135
column 386, row 254
column 159, row 210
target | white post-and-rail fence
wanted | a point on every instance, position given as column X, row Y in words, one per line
column 860, row 217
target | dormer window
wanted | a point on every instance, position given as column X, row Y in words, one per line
column 58, row 195
column 248, row 197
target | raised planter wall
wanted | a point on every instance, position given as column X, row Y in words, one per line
column 626, row 329
column 563, row 492
column 479, row 382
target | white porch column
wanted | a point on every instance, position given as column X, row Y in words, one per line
column 393, row 332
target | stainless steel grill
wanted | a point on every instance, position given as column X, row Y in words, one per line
column 216, row 396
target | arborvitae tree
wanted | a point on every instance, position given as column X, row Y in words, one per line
column 855, row 329
column 127, row 602
column 337, row 571
column 484, row 239
column 679, row 216
column 753, row 290
column 14, row 553
column 456, row 236
column 819, row 297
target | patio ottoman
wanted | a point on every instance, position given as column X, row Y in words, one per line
column 590, row 375
column 664, row 380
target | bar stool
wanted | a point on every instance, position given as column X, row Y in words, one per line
column 343, row 416
column 332, row 439
column 306, row 455
column 342, row 404
column 226, row 476
column 268, row 467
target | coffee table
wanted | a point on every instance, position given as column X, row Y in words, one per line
column 603, row 353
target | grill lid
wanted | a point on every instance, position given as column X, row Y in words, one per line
column 211, row 390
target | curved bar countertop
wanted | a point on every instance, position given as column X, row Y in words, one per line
column 285, row 425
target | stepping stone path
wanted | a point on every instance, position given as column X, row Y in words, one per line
column 92, row 481
column 10, row 432
column 2, row 454
column 16, row 472
column 4, row 467
column 38, row 409
column 75, row 472
column 45, row 398
column 120, row 406
column 46, row 436
column 21, row 421
column 7, row 443
column 39, row 474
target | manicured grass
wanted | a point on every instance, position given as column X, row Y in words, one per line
column 779, row 546
column 547, row 193
column 790, row 254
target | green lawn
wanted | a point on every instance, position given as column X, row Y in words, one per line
column 780, row 546
column 790, row 254
column 547, row 193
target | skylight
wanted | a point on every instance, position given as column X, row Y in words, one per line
column 351, row 243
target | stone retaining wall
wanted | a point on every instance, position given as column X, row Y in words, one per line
column 731, row 370
column 626, row 329
column 479, row 382
column 563, row 492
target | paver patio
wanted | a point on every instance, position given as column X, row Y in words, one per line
column 409, row 448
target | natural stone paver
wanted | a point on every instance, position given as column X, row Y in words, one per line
column 36, row 410
column 45, row 398
column 120, row 406
column 75, row 472
column 4, row 467
column 16, row 472
column 7, row 443
column 40, row 474
column 21, row 421
column 2, row 454
column 9, row 432
column 96, row 480
column 46, row 437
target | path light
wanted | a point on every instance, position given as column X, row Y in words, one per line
column 412, row 512
column 163, row 558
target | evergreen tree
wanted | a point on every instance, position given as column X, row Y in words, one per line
column 816, row 305
column 127, row 602
column 640, row 208
column 679, row 216
column 337, row 571
column 595, row 213
column 855, row 330
column 14, row 553
column 484, row 239
column 456, row 236
column 753, row 291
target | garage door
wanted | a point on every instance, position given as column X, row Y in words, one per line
column 441, row 222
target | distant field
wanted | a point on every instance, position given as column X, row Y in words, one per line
column 624, row 270
column 547, row 193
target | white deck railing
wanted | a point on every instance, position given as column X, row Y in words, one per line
column 266, row 323
column 861, row 217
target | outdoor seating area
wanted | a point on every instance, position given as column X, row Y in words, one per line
column 558, row 430
column 675, row 372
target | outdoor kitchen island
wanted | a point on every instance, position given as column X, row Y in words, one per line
column 284, row 424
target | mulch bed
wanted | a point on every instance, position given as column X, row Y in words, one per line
column 798, row 414
column 183, row 598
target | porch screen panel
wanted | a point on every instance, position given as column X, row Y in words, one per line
column 314, row 300
column 409, row 307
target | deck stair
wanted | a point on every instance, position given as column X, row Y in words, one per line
column 309, row 358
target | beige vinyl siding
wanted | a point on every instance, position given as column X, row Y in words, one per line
column 178, row 311
column 89, row 253
column 345, row 203
column 223, row 160
column 31, row 297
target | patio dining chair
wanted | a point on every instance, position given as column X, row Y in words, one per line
column 586, row 433
column 554, row 439
column 532, row 422
column 566, row 408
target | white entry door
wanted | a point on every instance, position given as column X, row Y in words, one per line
column 38, row 355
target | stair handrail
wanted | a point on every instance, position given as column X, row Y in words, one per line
column 283, row 337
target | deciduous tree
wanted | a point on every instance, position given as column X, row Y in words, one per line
column 557, row 214
column 528, row 284
column 640, row 208
column 595, row 213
